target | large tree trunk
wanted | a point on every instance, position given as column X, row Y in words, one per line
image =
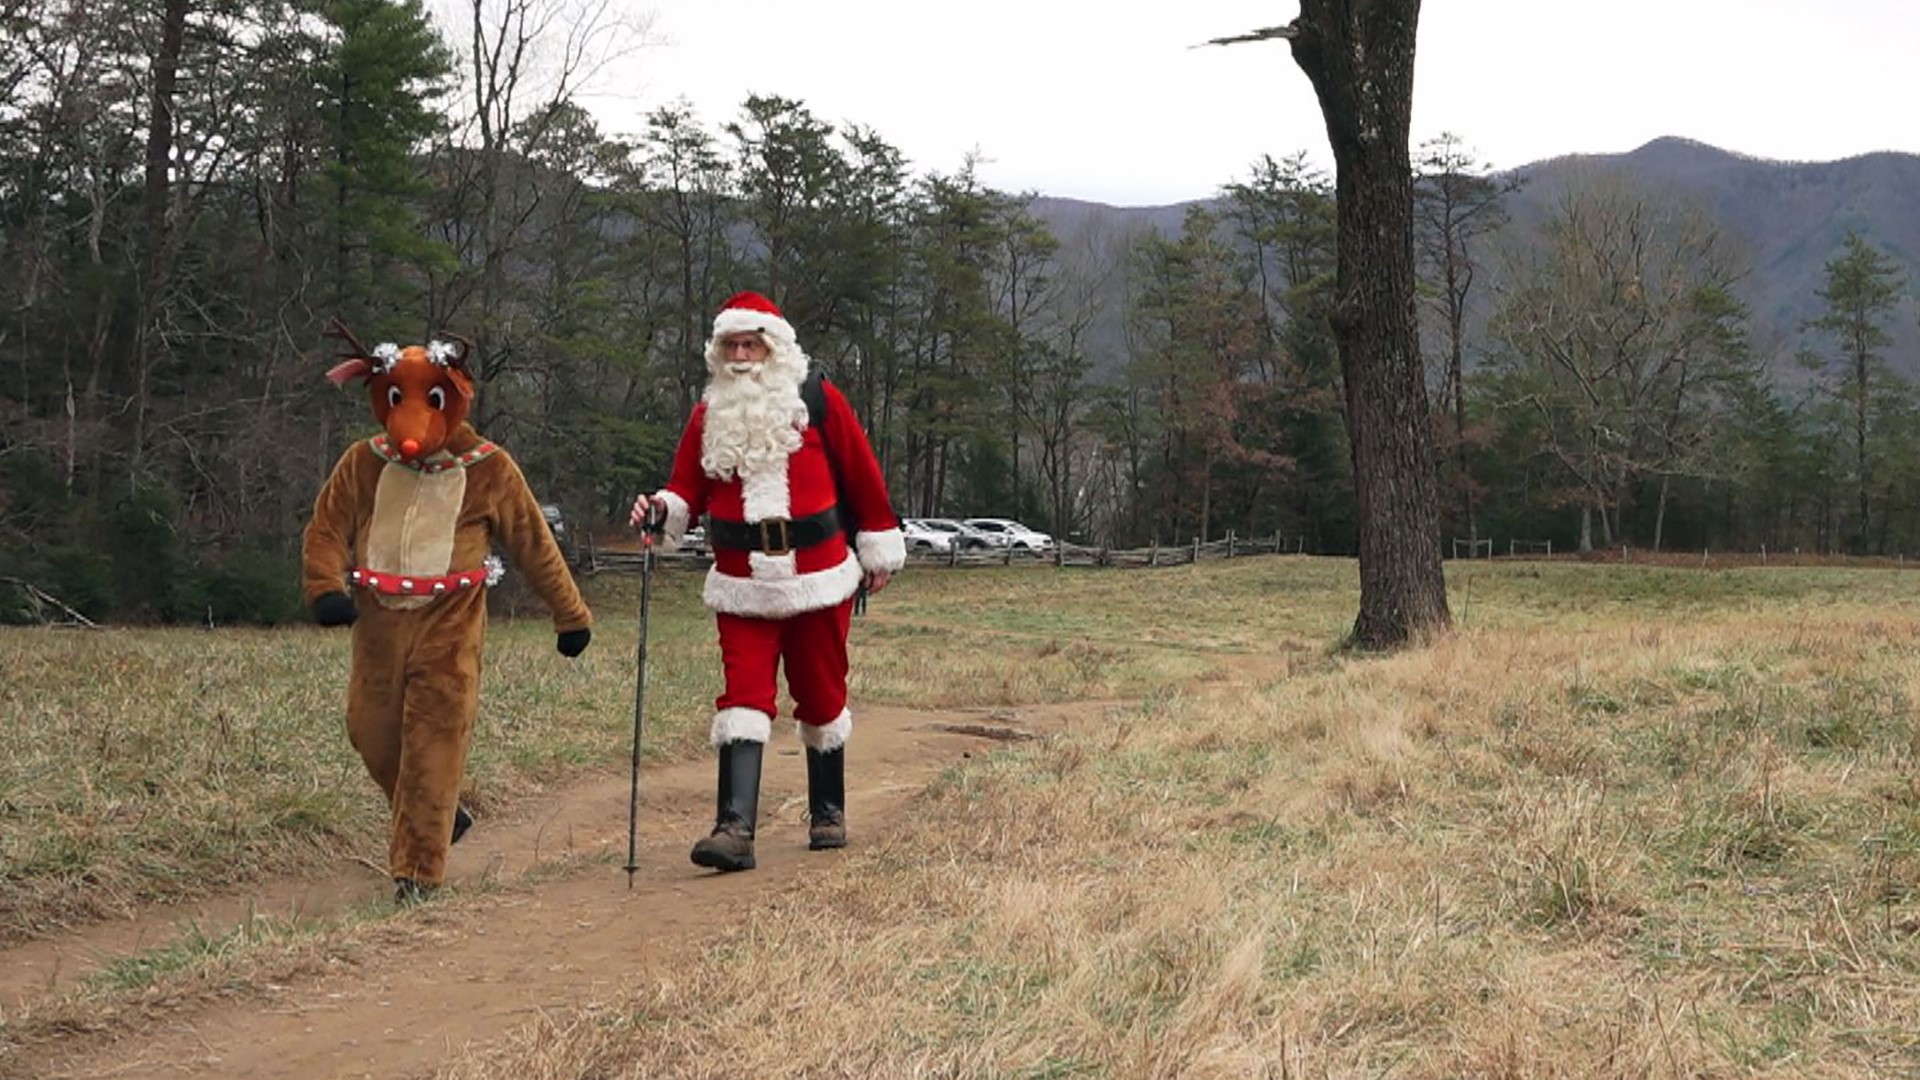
column 1359, row 57
column 156, row 194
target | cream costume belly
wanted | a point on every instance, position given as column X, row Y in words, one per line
column 411, row 532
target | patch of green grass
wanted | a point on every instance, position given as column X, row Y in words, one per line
column 194, row 950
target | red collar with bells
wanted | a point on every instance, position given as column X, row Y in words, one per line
column 400, row 585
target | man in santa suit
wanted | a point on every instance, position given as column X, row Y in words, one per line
column 781, row 494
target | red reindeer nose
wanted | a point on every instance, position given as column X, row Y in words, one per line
column 409, row 448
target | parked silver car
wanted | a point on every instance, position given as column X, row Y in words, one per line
column 922, row 538
column 965, row 537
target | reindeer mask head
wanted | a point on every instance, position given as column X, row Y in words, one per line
column 420, row 394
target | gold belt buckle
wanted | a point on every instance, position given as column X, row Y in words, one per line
column 766, row 537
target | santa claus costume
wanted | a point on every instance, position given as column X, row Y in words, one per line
column 781, row 495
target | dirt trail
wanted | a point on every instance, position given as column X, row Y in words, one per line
column 464, row 977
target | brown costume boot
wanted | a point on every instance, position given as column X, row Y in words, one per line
column 826, row 799
column 731, row 845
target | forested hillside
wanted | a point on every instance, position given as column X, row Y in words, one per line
column 1697, row 350
column 1785, row 219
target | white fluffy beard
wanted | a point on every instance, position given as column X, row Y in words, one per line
column 754, row 418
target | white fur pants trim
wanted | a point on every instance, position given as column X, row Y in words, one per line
column 828, row 737
column 741, row 725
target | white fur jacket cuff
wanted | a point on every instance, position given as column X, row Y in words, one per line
column 884, row 550
column 677, row 520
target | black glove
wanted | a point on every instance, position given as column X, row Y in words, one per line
column 574, row 642
column 334, row 609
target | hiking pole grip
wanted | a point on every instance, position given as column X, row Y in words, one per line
column 655, row 523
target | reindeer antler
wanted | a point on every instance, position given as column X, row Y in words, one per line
column 337, row 329
column 466, row 348
column 358, row 363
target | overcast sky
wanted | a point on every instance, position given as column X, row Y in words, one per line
column 1107, row 101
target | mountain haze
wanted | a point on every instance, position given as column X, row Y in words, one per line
column 1786, row 219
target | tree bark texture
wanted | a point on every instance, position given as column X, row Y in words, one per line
column 1359, row 56
column 156, row 195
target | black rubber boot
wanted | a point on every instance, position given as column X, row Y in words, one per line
column 731, row 845
column 826, row 799
column 462, row 821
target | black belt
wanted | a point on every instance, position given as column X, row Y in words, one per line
column 775, row 536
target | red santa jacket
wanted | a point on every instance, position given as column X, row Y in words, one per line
column 773, row 586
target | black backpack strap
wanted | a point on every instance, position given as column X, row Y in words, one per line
column 814, row 392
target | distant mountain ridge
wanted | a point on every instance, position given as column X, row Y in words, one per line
column 1786, row 218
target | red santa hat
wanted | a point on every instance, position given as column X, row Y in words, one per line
column 750, row 312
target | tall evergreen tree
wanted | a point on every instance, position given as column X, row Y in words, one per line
column 869, row 280
column 1861, row 287
column 791, row 174
column 1284, row 212
column 957, row 336
column 377, row 92
column 684, row 200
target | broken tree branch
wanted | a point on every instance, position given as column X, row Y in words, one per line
column 41, row 596
column 1271, row 33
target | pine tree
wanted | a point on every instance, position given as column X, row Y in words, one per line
column 1862, row 286
column 377, row 91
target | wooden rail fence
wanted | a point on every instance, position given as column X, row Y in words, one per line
column 1060, row 555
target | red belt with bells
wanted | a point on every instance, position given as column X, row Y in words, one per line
column 402, row 585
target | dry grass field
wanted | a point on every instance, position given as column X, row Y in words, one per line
column 1623, row 822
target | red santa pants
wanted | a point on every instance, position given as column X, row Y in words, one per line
column 814, row 646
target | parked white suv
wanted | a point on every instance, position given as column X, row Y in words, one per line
column 1005, row 532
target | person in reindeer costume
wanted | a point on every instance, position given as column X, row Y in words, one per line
column 781, row 484
column 407, row 521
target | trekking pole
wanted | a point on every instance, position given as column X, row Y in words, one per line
column 653, row 526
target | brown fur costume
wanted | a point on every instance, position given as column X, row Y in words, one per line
column 396, row 525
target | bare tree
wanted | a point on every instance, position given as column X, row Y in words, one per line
column 1456, row 201
column 527, row 61
column 1625, row 342
column 1092, row 260
column 156, row 200
column 1027, row 290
